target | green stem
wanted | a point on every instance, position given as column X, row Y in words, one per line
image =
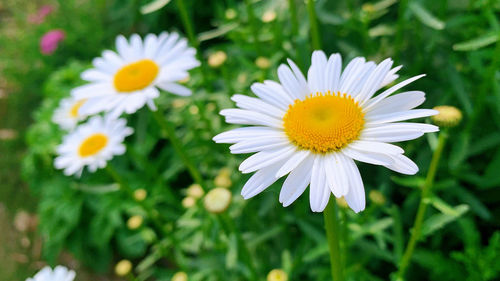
column 169, row 130
column 295, row 21
column 422, row 207
column 253, row 24
column 188, row 24
column 189, row 28
column 313, row 21
column 230, row 228
column 151, row 212
column 333, row 234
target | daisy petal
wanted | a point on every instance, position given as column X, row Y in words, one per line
column 296, row 182
column 355, row 198
column 265, row 158
column 400, row 116
column 261, row 180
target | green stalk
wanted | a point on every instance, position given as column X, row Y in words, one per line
column 253, row 24
column 189, row 28
column 188, row 24
column 230, row 228
column 422, row 207
column 152, row 214
column 295, row 21
column 169, row 131
column 333, row 234
column 313, row 21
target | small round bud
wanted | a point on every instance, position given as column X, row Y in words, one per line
column 134, row 222
column 377, row 197
column 222, row 181
column 217, row 59
column 140, row 194
column 188, row 202
column 231, row 14
column 123, row 267
column 342, row 203
column 178, row 103
column 448, row 116
column 193, row 109
column 195, row 190
column 211, row 106
column 262, row 63
column 180, row 276
column 277, row 275
column 242, row 78
column 217, row 200
column 269, row 16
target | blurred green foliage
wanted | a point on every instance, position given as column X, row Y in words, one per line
column 456, row 43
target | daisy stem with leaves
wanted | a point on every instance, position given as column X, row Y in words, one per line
column 169, row 131
column 330, row 214
column 422, row 207
column 149, row 210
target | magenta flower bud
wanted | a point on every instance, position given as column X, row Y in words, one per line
column 50, row 41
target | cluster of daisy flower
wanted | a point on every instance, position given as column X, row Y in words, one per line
column 310, row 128
column 120, row 82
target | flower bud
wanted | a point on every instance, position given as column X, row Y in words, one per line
column 448, row 116
column 231, row 14
column 262, row 63
column 134, row 222
column 217, row 59
column 140, row 194
column 377, row 197
column 277, row 275
column 195, row 191
column 342, row 203
column 188, row 202
column 180, row 276
column 217, row 200
column 269, row 16
column 123, row 267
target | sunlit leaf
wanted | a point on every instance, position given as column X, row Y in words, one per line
column 154, row 6
column 425, row 16
column 477, row 43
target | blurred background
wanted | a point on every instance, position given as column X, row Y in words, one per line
column 44, row 45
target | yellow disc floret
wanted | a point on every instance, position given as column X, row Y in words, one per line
column 136, row 76
column 324, row 123
column 92, row 145
column 74, row 109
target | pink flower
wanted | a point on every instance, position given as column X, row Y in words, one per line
column 49, row 41
column 39, row 17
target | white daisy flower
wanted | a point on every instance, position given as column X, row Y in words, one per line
column 67, row 115
column 60, row 273
column 92, row 144
column 313, row 129
column 126, row 80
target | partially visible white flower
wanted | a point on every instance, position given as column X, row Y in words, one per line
column 92, row 144
column 59, row 273
column 68, row 114
column 312, row 129
column 126, row 80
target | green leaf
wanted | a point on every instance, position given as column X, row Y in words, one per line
column 154, row 6
column 413, row 182
column 477, row 43
column 438, row 221
column 97, row 189
column 426, row 17
column 218, row 32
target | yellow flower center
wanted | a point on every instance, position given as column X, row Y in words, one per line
column 92, row 145
column 74, row 109
column 136, row 76
column 324, row 122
